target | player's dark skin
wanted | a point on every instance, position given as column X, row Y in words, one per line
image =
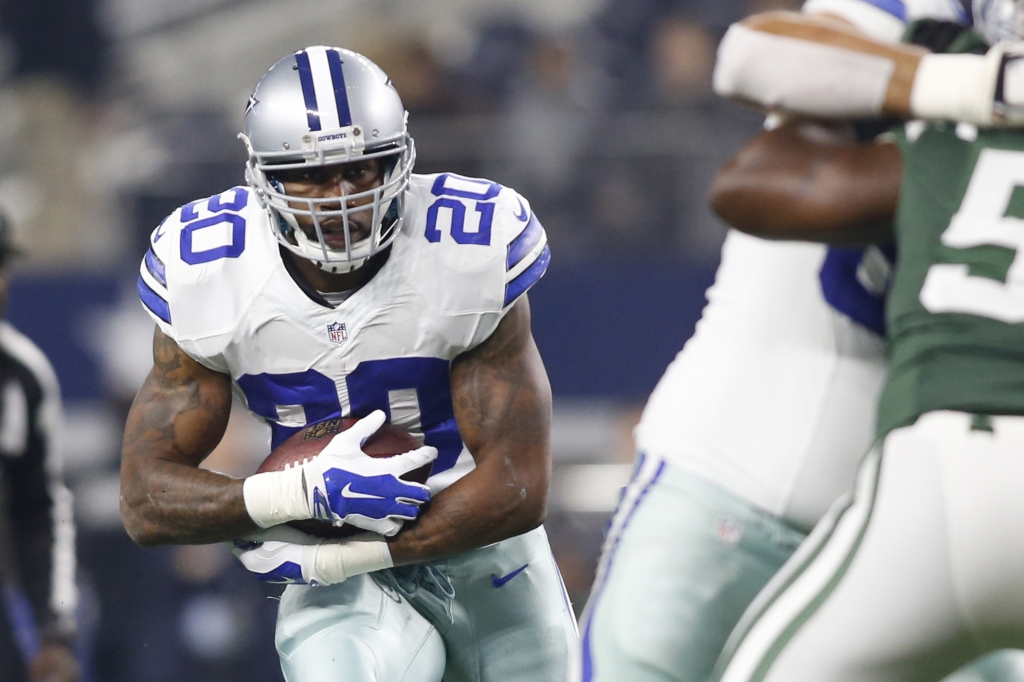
column 327, row 181
column 789, row 184
column 502, row 403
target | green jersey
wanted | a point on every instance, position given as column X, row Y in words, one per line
column 956, row 307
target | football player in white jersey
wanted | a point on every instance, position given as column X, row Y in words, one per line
column 338, row 283
column 755, row 429
column 924, row 86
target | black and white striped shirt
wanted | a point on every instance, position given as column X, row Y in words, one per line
column 37, row 531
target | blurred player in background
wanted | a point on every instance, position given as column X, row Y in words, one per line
column 37, row 531
column 919, row 572
column 758, row 425
column 338, row 283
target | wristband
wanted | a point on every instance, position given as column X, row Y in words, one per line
column 335, row 562
column 955, row 87
column 276, row 497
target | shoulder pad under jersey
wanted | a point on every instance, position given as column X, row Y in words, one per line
column 205, row 264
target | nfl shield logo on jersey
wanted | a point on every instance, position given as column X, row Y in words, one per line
column 337, row 332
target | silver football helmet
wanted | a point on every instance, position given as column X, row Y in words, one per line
column 998, row 20
column 322, row 106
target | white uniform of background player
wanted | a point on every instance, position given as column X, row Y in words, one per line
column 755, row 429
column 215, row 282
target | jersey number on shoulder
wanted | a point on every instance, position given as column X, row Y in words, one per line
column 982, row 221
column 221, row 235
column 454, row 191
column 290, row 401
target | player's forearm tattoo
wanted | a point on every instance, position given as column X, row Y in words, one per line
column 178, row 417
column 502, row 405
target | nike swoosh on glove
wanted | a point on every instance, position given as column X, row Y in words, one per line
column 344, row 485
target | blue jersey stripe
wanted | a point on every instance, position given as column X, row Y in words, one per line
column 156, row 267
column 153, row 301
column 893, row 7
column 308, row 92
column 528, row 277
column 340, row 96
column 522, row 245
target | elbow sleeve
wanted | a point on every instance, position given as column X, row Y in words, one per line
column 815, row 79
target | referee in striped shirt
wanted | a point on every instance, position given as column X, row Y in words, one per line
column 37, row 532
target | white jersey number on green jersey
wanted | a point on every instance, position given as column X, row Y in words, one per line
column 982, row 221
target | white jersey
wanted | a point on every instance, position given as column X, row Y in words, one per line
column 216, row 282
column 773, row 398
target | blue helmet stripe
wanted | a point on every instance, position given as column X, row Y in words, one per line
column 308, row 92
column 154, row 301
column 340, row 96
column 528, row 277
column 522, row 245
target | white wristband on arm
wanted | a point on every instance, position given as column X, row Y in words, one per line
column 955, row 87
column 276, row 497
column 273, row 555
column 336, row 562
column 980, row 89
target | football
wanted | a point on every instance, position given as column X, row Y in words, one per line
column 388, row 441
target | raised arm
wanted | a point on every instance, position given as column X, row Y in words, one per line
column 177, row 419
column 502, row 402
column 788, row 184
column 821, row 67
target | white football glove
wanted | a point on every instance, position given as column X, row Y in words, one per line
column 343, row 485
column 285, row 555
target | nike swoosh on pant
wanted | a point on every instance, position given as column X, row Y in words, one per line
column 498, row 582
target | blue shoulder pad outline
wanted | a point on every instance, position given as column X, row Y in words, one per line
column 855, row 281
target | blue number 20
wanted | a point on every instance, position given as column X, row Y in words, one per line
column 466, row 188
column 224, row 212
column 272, row 395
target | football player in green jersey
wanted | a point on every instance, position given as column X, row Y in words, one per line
column 920, row 571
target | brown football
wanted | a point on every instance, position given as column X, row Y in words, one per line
column 388, row 441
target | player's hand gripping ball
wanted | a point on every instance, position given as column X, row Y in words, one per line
column 376, row 486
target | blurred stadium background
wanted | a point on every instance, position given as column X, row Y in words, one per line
column 115, row 112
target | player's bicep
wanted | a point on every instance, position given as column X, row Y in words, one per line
column 181, row 411
column 502, row 397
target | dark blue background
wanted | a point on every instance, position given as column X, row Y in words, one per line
column 604, row 330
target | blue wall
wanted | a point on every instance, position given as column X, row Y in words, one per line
column 604, row 330
column 55, row 312
column 609, row 330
